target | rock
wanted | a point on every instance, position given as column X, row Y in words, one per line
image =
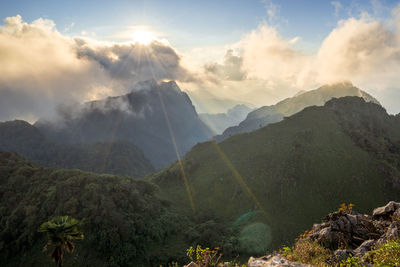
column 327, row 237
column 192, row 264
column 345, row 228
column 387, row 210
column 396, row 214
column 352, row 219
column 318, row 226
column 364, row 248
column 392, row 233
column 277, row 261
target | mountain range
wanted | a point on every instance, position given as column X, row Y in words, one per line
column 119, row 157
column 218, row 122
column 289, row 106
column 248, row 194
column 158, row 118
column 272, row 183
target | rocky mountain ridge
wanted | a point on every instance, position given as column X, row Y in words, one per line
column 289, row 106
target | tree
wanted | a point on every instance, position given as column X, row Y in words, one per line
column 60, row 233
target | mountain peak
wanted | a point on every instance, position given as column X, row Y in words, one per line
column 153, row 84
column 289, row 106
column 144, row 85
column 340, row 84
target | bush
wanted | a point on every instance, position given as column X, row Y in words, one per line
column 308, row 252
column 387, row 254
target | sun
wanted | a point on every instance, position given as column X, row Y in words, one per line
column 143, row 37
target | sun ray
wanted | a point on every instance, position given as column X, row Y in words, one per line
column 239, row 178
column 172, row 136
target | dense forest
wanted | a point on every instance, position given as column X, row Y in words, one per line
column 124, row 221
column 119, row 157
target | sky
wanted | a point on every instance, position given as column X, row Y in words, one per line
column 221, row 52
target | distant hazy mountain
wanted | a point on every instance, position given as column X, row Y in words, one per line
column 122, row 157
column 289, row 106
column 220, row 121
column 273, row 183
column 159, row 118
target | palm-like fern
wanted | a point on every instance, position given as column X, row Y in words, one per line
column 60, row 233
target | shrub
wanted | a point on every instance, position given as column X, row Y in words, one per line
column 388, row 254
column 204, row 257
column 308, row 252
column 351, row 261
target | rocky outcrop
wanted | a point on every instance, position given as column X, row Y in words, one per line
column 273, row 260
column 347, row 233
column 344, row 229
column 358, row 233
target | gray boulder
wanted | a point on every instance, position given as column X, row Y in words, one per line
column 386, row 210
column 277, row 261
column 364, row 248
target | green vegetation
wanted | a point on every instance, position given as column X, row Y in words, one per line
column 308, row 252
column 289, row 106
column 125, row 223
column 251, row 193
column 61, row 231
column 351, row 261
column 120, row 158
column 288, row 175
column 204, row 257
column 346, row 207
column 388, row 254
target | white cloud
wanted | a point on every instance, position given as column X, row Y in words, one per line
column 362, row 50
column 40, row 68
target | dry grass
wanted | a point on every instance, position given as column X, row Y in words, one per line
column 309, row 252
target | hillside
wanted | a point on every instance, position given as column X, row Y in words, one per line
column 287, row 107
column 158, row 118
column 218, row 122
column 271, row 184
column 124, row 222
column 120, row 158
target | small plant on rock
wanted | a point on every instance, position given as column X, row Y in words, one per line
column 304, row 235
column 351, row 261
column 346, row 207
column 204, row 257
column 286, row 251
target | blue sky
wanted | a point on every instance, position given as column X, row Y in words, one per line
column 195, row 23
